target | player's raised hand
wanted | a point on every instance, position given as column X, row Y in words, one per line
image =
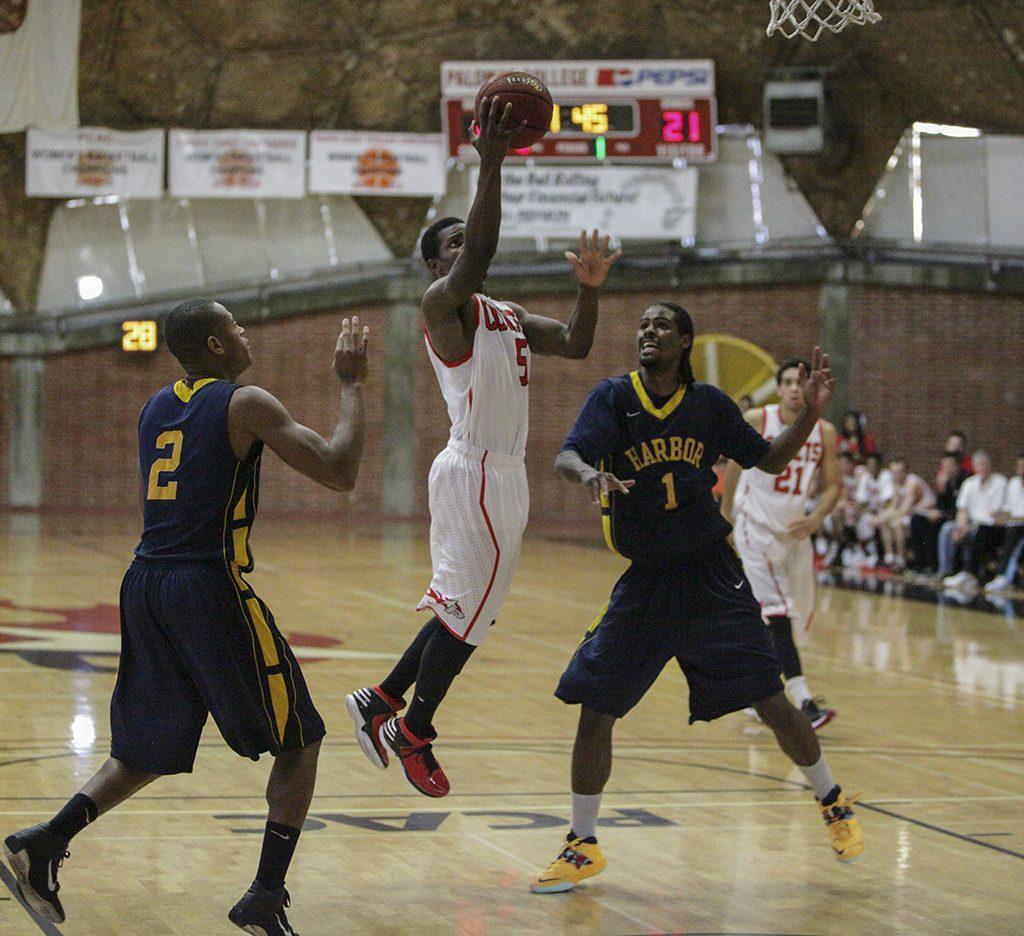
column 820, row 384
column 601, row 483
column 592, row 263
column 497, row 128
column 350, row 351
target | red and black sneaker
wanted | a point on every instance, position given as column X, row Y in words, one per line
column 819, row 716
column 421, row 767
column 369, row 708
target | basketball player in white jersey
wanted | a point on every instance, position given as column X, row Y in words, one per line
column 480, row 349
column 773, row 528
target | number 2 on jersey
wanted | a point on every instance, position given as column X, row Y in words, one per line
column 782, row 481
column 168, row 490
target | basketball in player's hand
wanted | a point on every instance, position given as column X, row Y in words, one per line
column 531, row 104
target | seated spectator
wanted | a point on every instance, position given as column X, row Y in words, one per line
column 908, row 494
column 745, row 403
column 874, row 487
column 956, row 444
column 974, row 532
column 854, row 436
column 839, row 527
column 1012, row 516
column 923, row 544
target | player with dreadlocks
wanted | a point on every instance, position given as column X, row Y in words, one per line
column 645, row 444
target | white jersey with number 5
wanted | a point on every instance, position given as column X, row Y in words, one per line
column 487, row 390
column 479, row 498
column 776, row 501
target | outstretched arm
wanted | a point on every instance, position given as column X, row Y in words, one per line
column 571, row 466
column 818, row 387
column 256, row 414
column 590, row 267
column 445, row 298
column 831, row 485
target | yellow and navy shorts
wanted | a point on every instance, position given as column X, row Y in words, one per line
column 197, row 641
column 697, row 609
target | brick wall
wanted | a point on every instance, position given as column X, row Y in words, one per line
column 91, row 403
column 923, row 361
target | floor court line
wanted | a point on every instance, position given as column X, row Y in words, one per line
column 943, row 831
column 11, row 884
column 563, row 805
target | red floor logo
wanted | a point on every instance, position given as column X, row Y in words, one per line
column 88, row 638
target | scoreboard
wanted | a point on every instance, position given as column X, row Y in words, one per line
column 622, row 111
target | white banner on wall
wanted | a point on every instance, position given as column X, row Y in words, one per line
column 358, row 163
column 39, row 64
column 237, row 163
column 628, row 203
column 94, row 161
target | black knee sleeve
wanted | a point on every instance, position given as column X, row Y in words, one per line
column 442, row 660
column 781, row 629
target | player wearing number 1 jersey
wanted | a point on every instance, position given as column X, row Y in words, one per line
column 480, row 350
column 774, row 528
column 645, row 443
column 196, row 640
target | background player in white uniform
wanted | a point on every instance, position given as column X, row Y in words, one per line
column 480, row 350
column 773, row 528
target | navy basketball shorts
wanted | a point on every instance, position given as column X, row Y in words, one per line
column 197, row 641
column 699, row 610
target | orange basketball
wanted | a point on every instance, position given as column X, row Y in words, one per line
column 530, row 100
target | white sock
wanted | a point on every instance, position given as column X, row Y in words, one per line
column 819, row 776
column 798, row 691
column 584, row 814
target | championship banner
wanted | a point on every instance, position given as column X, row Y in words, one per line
column 94, row 161
column 648, row 204
column 237, row 163
column 357, row 163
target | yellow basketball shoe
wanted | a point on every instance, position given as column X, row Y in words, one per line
column 579, row 860
column 844, row 831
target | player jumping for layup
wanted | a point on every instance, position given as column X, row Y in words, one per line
column 645, row 444
column 195, row 638
column 774, row 529
column 480, row 350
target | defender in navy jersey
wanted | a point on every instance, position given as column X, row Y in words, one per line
column 645, row 444
column 196, row 639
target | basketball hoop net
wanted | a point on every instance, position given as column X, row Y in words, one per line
column 810, row 18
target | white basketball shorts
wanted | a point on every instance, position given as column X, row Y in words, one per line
column 479, row 503
column 780, row 570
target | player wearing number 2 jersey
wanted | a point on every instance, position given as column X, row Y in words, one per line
column 774, row 528
column 196, row 640
column 480, row 350
column 645, row 444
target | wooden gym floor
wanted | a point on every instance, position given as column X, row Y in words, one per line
column 712, row 831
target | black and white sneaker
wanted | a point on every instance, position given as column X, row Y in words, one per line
column 35, row 854
column 261, row 912
column 369, row 708
column 819, row 716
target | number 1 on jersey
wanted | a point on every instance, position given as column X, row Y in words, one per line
column 168, row 490
column 670, row 491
